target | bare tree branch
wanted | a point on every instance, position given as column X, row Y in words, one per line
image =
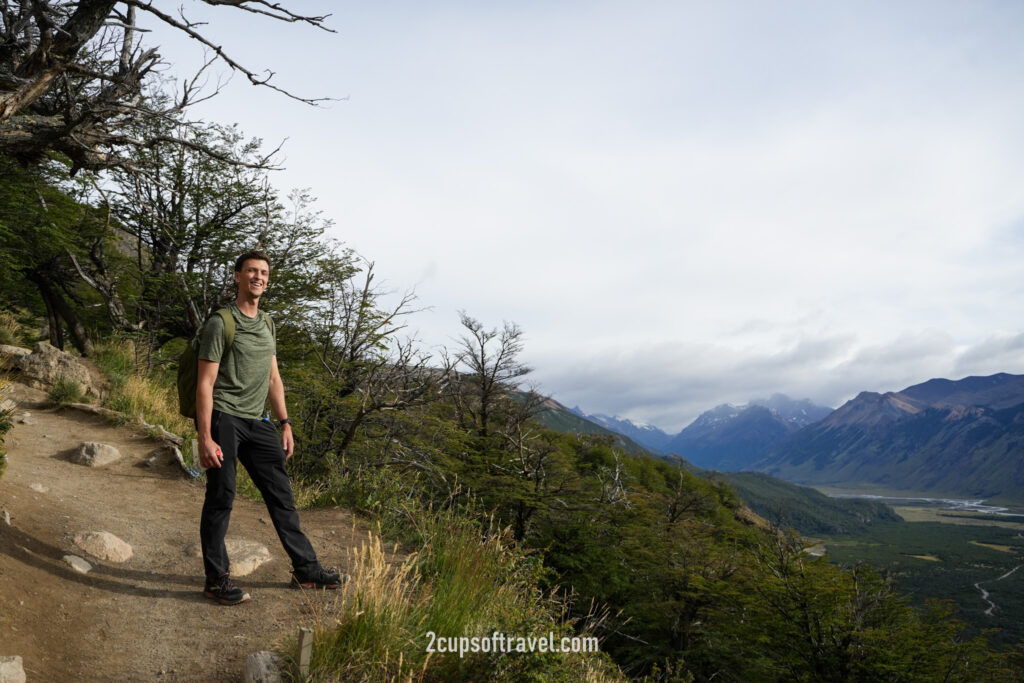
column 188, row 28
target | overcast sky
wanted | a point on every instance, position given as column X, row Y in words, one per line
column 681, row 203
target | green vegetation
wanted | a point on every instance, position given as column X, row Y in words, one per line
column 13, row 331
column 64, row 391
column 810, row 512
column 559, row 419
column 465, row 579
column 966, row 555
column 138, row 392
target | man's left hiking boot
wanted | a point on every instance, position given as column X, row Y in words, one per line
column 317, row 577
column 224, row 591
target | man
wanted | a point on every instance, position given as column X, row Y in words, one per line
column 233, row 388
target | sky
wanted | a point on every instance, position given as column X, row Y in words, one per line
column 682, row 203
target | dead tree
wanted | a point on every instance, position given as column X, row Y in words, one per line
column 72, row 77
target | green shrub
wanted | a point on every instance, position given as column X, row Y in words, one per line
column 65, row 390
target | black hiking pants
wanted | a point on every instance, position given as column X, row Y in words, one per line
column 257, row 445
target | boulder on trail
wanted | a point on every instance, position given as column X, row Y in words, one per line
column 11, row 670
column 245, row 556
column 78, row 564
column 46, row 363
column 104, row 545
column 94, row 454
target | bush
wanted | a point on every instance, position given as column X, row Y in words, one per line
column 64, row 391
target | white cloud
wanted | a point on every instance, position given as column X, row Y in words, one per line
column 681, row 203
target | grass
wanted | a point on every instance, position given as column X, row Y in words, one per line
column 919, row 513
column 152, row 397
column 64, row 391
column 993, row 546
column 12, row 331
column 464, row 580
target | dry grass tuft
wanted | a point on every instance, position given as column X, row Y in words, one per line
column 464, row 581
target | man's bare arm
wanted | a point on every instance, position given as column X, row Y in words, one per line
column 277, row 405
column 209, row 451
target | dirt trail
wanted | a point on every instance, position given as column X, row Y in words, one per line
column 145, row 619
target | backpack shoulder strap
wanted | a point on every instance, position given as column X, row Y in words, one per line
column 270, row 324
column 229, row 327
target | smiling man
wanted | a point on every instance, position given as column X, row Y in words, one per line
column 235, row 380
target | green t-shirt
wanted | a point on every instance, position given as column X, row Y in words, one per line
column 243, row 379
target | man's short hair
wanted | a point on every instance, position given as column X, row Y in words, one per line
column 254, row 254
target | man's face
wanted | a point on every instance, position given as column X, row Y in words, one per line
column 253, row 277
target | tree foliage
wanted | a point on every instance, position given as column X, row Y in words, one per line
column 73, row 76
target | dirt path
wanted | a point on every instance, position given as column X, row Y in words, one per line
column 145, row 619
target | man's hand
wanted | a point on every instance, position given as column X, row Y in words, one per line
column 287, row 441
column 210, row 454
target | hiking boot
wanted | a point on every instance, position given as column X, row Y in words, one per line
column 224, row 591
column 317, row 577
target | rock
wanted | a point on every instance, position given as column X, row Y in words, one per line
column 12, row 671
column 38, row 488
column 104, row 545
column 262, row 667
column 16, row 351
column 45, row 364
column 95, row 454
column 160, row 456
column 245, row 556
column 26, row 420
column 78, row 564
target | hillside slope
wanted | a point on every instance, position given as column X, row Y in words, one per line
column 962, row 438
column 805, row 509
column 559, row 418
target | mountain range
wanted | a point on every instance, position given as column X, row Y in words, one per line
column 731, row 438
column 944, row 437
column 962, row 438
column 648, row 436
